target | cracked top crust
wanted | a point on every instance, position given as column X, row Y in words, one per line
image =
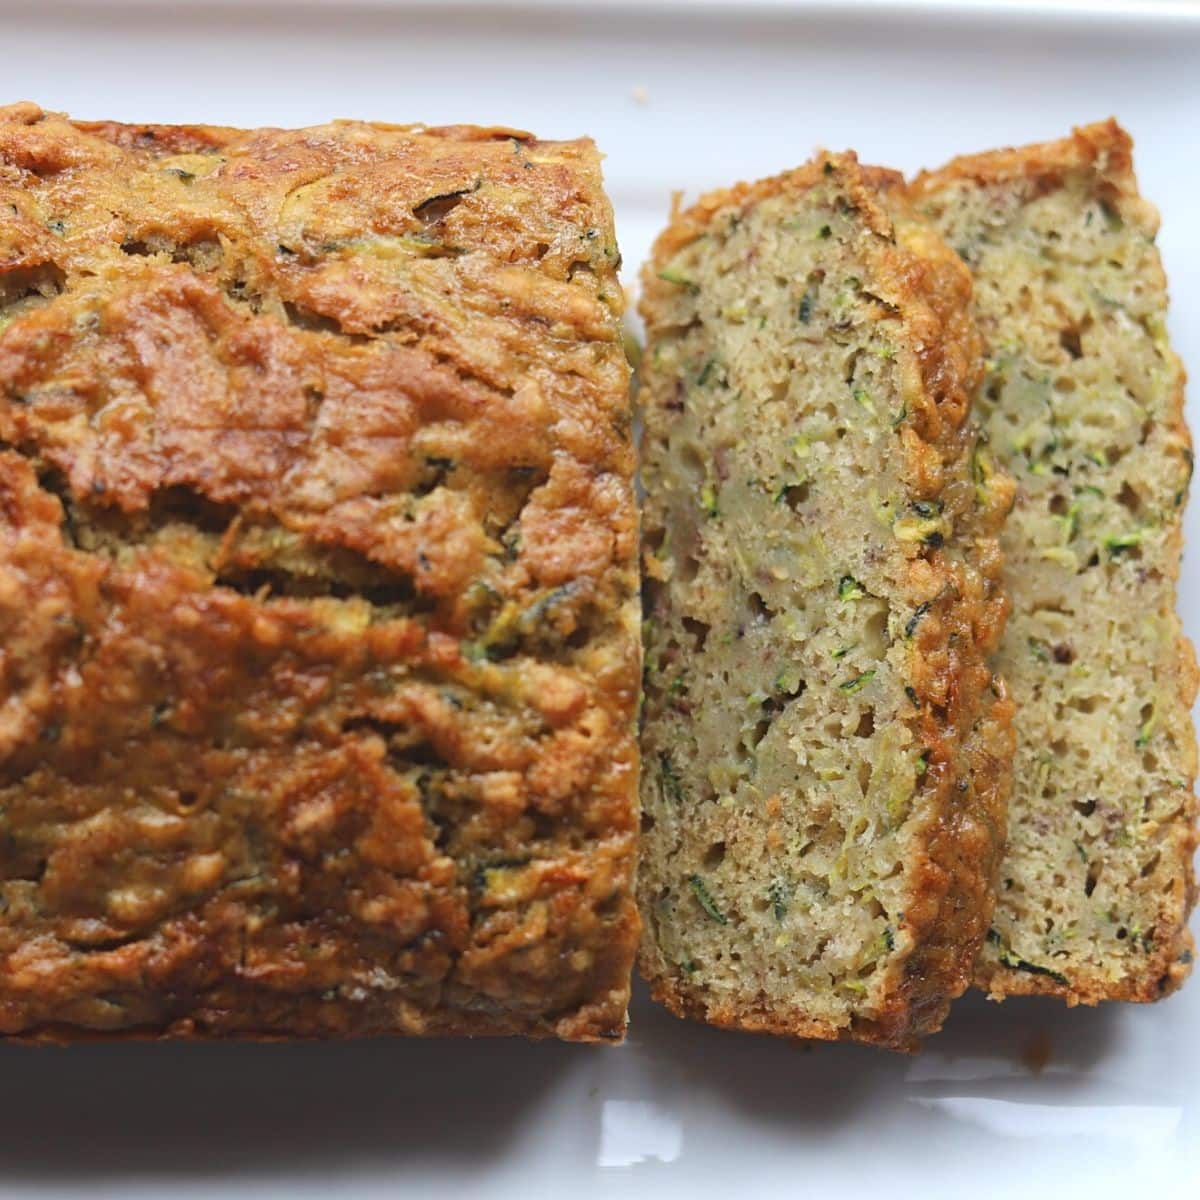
column 318, row 616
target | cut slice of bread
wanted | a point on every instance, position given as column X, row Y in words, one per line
column 825, row 751
column 1083, row 403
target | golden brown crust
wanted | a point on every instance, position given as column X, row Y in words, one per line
column 1104, row 143
column 1103, row 153
column 964, row 725
column 318, row 652
column 969, row 715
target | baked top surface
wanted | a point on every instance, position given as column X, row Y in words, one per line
column 824, row 762
column 318, row 655
column 1083, row 403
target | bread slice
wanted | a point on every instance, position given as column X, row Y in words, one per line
column 1083, row 402
column 821, row 590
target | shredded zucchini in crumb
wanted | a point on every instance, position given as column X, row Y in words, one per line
column 704, row 896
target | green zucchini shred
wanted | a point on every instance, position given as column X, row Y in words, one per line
column 632, row 347
column 1016, row 963
column 925, row 526
column 1190, row 459
column 982, row 471
column 780, row 493
column 672, row 784
column 857, row 683
column 1147, row 728
column 1038, row 650
column 1070, row 522
column 780, row 897
column 670, row 275
column 911, row 627
column 788, row 681
column 1118, row 544
column 704, row 896
column 478, row 652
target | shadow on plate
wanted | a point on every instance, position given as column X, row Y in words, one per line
column 208, row 1111
column 1018, row 1047
column 142, row 1108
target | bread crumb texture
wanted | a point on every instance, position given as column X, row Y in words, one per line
column 826, row 751
column 318, row 595
column 1083, row 403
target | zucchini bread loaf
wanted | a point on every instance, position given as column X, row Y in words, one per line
column 318, row 584
column 1083, row 403
column 826, row 751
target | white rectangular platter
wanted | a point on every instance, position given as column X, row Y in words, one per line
column 680, row 97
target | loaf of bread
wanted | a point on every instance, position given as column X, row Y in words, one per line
column 319, row 648
column 825, row 752
column 1083, row 403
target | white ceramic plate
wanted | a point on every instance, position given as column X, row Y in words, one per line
column 679, row 97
